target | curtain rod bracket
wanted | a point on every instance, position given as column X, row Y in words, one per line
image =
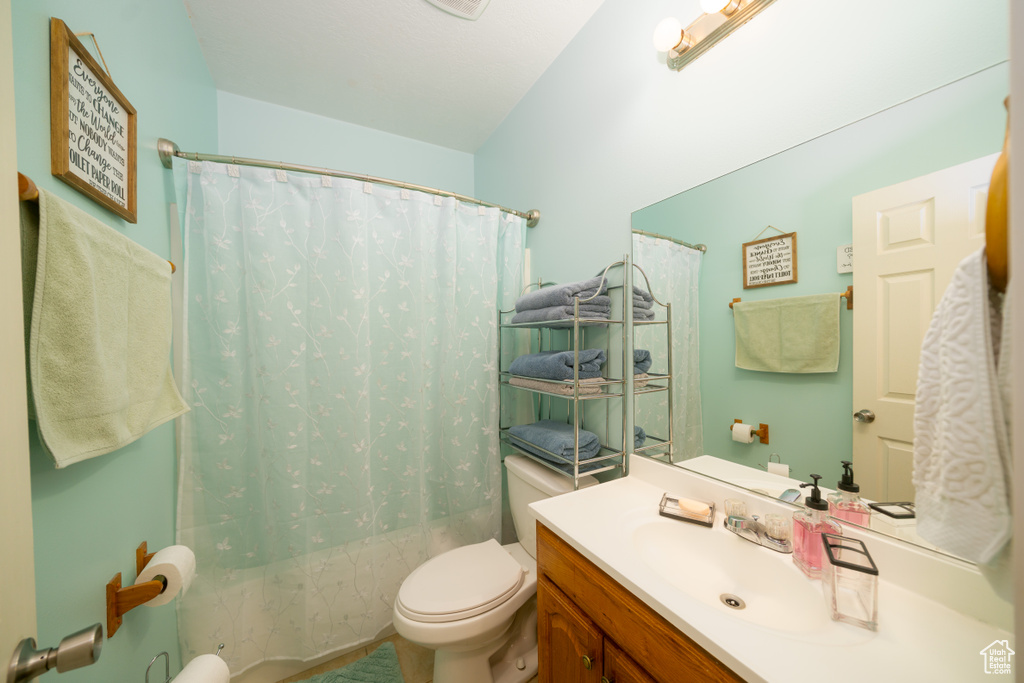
column 167, row 151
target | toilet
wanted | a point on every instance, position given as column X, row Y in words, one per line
column 476, row 606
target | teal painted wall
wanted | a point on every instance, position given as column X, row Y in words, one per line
column 808, row 189
column 260, row 130
column 608, row 129
column 90, row 517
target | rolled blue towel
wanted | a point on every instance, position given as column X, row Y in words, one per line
column 556, row 313
column 554, row 437
column 639, row 302
column 639, row 436
column 641, row 361
column 557, row 365
column 641, row 294
column 561, row 295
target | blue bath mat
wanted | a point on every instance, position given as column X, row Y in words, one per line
column 380, row 666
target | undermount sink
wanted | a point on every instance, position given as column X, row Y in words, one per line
column 716, row 567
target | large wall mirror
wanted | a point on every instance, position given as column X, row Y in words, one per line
column 810, row 190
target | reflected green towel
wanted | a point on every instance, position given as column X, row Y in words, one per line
column 799, row 334
column 380, row 666
column 99, row 338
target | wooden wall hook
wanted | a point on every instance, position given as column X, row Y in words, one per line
column 120, row 600
column 848, row 295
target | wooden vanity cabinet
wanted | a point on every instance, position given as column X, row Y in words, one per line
column 592, row 630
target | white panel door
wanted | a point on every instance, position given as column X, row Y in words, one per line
column 17, row 582
column 908, row 239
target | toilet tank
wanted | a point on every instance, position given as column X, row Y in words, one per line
column 528, row 482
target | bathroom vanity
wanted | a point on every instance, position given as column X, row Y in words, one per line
column 590, row 628
column 627, row 595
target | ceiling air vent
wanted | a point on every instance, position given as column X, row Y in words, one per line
column 467, row 9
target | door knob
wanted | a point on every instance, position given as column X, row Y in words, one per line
column 864, row 416
column 77, row 650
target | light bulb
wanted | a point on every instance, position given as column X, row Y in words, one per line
column 712, row 6
column 667, row 34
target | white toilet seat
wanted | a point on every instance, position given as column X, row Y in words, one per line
column 460, row 583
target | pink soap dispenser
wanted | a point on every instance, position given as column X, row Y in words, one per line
column 845, row 503
column 808, row 526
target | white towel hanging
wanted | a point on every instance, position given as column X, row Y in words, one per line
column 962, row 459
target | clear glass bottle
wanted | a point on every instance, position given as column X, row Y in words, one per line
column 808, row 526
column 845, row 503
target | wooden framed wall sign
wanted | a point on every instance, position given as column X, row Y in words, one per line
column 92, row 126
column 771, row 261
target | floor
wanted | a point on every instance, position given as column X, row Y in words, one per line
column 417, row 662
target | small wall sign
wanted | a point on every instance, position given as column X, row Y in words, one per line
column 844, row 259
column 92, row 126
column 771, row 261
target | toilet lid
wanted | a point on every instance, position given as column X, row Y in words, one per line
column 460, row 583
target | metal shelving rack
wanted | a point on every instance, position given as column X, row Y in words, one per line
column 608, row 457
column 659, row 382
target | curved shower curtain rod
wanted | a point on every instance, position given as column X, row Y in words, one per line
column 167, row 149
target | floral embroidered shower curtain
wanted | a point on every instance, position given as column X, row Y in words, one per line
column 341, row 364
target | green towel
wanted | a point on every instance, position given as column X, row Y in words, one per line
column 380, row 666
column 99, row 333
column 800, row 334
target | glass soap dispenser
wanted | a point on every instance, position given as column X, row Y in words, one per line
column 808, row 526
column 845, row 503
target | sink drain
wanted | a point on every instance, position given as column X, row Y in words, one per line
column 732, row 601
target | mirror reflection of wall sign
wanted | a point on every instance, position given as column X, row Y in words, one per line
column 844, row 259
column 771, row 261
column 92, row 126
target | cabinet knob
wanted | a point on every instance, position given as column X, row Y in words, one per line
column 588, row 663
column 605, row 679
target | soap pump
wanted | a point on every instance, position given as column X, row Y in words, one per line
column 808, row 526
column 845, row 503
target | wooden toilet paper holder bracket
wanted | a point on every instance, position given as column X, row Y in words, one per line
column 120, row 600
column 761, row 432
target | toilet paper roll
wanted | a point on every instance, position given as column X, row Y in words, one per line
column 778, row 468
column 177, row 563
column 205, row 669
column 742, row 433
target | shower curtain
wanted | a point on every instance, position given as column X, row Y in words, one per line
column 674, row 272
column 341, row 364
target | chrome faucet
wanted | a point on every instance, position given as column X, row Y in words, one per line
column 750, row 529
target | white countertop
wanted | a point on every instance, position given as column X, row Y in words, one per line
column 919, row 637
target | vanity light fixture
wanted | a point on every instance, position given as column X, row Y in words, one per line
column 726, row 7
column 721, row 18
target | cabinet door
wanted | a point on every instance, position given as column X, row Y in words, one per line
column 570, row 646
column 620, row 668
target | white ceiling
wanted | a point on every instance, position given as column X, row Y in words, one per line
column 401, row 66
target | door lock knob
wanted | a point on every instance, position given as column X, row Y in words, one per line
column 77, row 650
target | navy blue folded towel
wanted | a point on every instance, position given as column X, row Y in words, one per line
column 561, row 295
column 557, row 365
column 641, row 361
column 561, row 314
column 555, row 438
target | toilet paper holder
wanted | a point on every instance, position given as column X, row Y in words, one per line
column 167, row 660
column 761, row 431
column 122, row 600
